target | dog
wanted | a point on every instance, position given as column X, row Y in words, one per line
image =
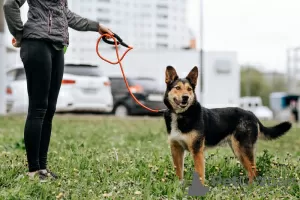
column 193, row 128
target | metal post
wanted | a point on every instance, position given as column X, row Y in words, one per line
column 201, row 52
column 288, row 63
column 248, row 84
column 2, row 63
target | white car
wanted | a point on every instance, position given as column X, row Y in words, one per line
column 84, row 88
column 254, row 104
column 9, row 98
column 263, row 113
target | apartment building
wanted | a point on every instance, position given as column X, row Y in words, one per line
column 145, row 24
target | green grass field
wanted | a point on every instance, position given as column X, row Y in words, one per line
column 102, row 157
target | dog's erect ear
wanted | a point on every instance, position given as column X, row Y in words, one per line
column 193, row 76
column 171, row 74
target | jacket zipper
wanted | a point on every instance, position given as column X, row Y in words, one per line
column 50, row 21
column 65, row 24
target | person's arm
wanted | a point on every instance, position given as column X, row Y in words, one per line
column 79, row 23
column 12, row 15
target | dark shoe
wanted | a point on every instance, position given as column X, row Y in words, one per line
column 42, row 177
column 49, row 173
column 38, row 174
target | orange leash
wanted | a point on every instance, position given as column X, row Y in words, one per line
column 116, row 43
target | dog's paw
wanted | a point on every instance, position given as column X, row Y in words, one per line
column 181, row 182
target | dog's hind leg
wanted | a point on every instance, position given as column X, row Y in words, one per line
column 178, row 159
column 245, row 153
column 229, row 141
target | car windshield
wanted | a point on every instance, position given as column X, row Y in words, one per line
column 148, row 84
column 83, row 70
column 17, row 74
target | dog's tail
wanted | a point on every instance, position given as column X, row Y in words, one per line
column 271, row 133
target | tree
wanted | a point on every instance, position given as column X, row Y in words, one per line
column 254, row 84
column 278, row 84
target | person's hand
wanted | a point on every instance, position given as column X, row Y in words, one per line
column 15, row 43
column 103, row 30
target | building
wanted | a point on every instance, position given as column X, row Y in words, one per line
column 277, row 81
column 144, row 24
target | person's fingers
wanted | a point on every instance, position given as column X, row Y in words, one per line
column 105, row 30
column 14, row 42
column 16, row 45
column 110, row 32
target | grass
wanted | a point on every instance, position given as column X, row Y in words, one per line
column 109, row 158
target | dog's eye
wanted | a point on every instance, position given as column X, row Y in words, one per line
column 177, row 87
column 189, row 89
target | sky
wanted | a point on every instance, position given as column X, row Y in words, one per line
column 259, row 31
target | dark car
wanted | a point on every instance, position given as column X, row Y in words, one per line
column 146, row 90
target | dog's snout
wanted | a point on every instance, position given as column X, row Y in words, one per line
column 185, row 97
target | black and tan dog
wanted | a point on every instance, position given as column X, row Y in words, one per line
column 192, row 127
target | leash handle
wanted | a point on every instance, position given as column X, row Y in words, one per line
column 116, row 43
column 120, row 41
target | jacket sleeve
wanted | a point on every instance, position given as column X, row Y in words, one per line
column 13, row 19
column 79, row 23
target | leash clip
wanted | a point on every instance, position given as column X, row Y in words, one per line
column 162, row 110
column 120, row 41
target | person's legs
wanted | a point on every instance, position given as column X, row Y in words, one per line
column 37, row 60
column 56, row 79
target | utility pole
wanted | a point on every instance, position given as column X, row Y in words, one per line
column 2, row 63
column 288, row 65
column 248, row 83
column 201, row 52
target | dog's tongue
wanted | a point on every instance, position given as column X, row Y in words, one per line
column 177, row 102
column 181, row 104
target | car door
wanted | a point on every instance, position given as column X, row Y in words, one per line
column 19, row 90
column 119, row 89
column 90, row 86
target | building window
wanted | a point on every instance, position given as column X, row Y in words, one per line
column 161, row 25
column 103, row 20
column 103, row 10
column 146, row 5
column 161, row 6
column 161, row 35
column 162, row 16
column 145, row 15
column 161, row 45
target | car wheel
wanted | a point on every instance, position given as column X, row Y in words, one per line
column 121, row 111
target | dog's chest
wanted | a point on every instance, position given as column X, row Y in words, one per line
column 184, row 139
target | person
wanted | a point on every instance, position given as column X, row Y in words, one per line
column 42, row 40
column 294, row 110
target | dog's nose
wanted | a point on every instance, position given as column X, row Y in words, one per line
column 185, row 98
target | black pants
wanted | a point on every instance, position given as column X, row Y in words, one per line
column 44, row 66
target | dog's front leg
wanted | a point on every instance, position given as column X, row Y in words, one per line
column 198, row 156
column 199, row 165
column 178, row 159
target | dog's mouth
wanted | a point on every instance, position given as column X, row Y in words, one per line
column 182, row 104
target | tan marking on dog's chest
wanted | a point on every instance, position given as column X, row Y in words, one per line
column 185, row 140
